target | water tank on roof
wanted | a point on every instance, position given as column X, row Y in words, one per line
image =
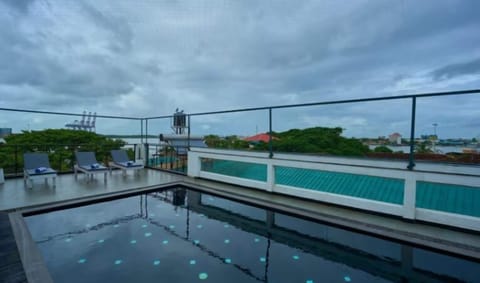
column 179, row 123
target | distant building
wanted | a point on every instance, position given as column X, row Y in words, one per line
column 395, row 138
column 181, row 143
column 260, row 138
column 5, row 132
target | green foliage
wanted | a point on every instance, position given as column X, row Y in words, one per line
column 229, row 142
column 423, row 147
column 317, row 140
column 60, row 144
column 382, row 148
column 320, row 140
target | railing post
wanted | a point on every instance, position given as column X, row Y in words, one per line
column 188, row 132
column 141, row 131
column 146, row 149
column 411, row 159
column 16, row 160
column 270, row 145
column 135, row 152
column 61, row 159
column 409, row 195
column 72, row 157
column 146, row 130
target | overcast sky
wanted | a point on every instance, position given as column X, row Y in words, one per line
column 145, row 58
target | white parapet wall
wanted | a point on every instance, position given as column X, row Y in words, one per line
column 424, row 172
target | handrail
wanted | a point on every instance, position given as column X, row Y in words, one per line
column 413, row 97
column 430, row 94
column 144, row 120
column 66, row 113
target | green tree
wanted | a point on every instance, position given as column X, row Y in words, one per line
column 382, row 148
column 212, row 141
column 318, row 140
column 423, row 147
column 60, row 144
column 229, row 142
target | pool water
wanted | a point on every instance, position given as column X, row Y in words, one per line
column 183, row 235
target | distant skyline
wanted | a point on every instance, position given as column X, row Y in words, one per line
column 147, row 58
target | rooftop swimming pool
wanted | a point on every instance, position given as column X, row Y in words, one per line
column 182, row 235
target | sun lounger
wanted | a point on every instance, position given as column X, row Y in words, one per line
column 37, row 166
column 88, row 164
column 121, row 160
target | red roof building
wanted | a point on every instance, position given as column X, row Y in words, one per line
column 260, row 137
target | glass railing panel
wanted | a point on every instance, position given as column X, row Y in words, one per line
column 166, row 157
column 359, row 129
column 447, row 130
column 234, row 131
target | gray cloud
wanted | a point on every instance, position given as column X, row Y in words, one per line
column 18, row 5
column 455, row 70
column 145, row 58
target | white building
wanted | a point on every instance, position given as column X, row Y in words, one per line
column 395, row 138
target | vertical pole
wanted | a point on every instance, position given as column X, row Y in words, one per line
column 411, row 160
column 188, row 132
column 185, row 159
column 146, row 160
column 141, row 131
column 270, row 145
column 146, row 131
column 141, row 140
column 16, row 160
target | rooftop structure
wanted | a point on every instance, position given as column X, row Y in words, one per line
column 179, row 122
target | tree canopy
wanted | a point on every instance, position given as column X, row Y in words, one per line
column 60, row 144
column 319, row 140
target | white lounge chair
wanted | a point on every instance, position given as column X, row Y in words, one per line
column 121, row 160
column 88, row 164
column 37, row 166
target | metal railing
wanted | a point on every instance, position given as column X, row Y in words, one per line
column 270, row 109
column 166, row 157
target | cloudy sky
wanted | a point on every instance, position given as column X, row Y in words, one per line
column 145, row 58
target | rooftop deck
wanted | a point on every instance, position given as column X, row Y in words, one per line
column 14, row 195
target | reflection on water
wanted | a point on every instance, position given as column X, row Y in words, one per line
column 186, row 236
